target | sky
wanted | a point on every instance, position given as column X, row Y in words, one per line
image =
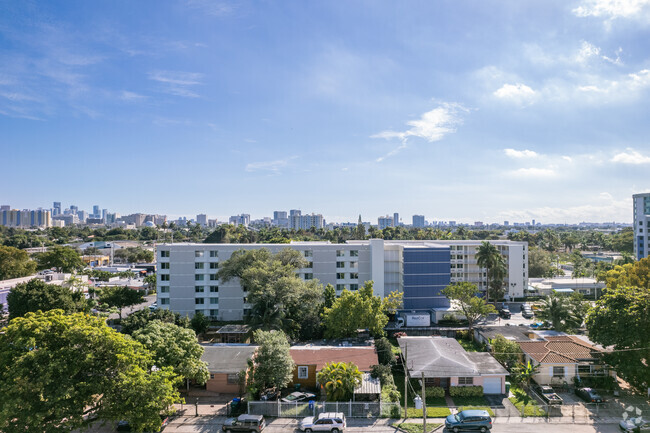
column 458, row 110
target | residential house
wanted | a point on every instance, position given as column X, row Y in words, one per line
column 225, row 361
column 563, row 357
column 310, row 360
column 444, row 363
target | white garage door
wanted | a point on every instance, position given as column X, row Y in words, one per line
column 491, row 385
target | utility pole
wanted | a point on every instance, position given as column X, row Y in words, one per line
column 406, row 378
column 424, row 405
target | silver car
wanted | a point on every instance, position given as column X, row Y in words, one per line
column 328, row 421
column 634, row 425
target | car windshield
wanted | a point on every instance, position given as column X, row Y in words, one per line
column 291, row 397
column 459, row 417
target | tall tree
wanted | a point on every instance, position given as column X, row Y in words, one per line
column 175, row 347
column 565, row 313
column 507, row 352
column 339, row 380
column 621, row 319
column 15, row 263
column 141, row 318
column 37, row 295
column 63, row 259
column 359, row 310
column 489, row 258
column 59, row 371
column 272, row 366
column 120, row 297
column 200, row 323
column 472, row 307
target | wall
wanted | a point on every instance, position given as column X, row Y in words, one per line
column 310, row 382
column 220, row 384
column 426, row 273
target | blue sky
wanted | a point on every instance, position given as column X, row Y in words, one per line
column 458, row 110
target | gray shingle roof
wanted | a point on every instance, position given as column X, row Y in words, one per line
column 445, row 357
column 227, row 358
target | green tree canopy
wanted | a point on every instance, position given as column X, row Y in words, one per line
column 37, row 295
column 175, row 347
column 63, row 259
column 360, row 309
column 507, row 352
column 621, row 319
column 141, row 318
column 120, row 297
column 565, row 313
column 472, row 307
column 134, row 255
column 630, row 275
column 15, row 263
column 339, row 380
column 200, row 323
column 57, row 368
column 488, row 257
column 540, row 263
column 272, row 366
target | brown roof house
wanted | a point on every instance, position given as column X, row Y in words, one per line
column 563, row 357
column 225, row 361
column 444, row 363
column 310, row 360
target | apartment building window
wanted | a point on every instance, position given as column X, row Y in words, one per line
column 199, row 301
column 199, row 289
column 309, row 277
column 214, row 253
column 340, row 264
column 245, row 299
column 198, row 265
column 164, row 277
column 354, row 253
column 213, row 277
column 354, row 287
column 354, row 265
column 340, row 253
column 198, row 253
column 214, row 301
column 466, row 381
column 164, row 253
column 164, row 289
column 340, row 287
column 308, row 253
column 164, row 301
column 340, row 276
column 310, row 265
column 214, row 289
column 198, row 277
column 164, row 265
column 354, row 275
column 247, row 312
column 214, row 265
column 214, row 314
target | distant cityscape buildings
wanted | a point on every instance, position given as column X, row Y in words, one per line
column 641, row 208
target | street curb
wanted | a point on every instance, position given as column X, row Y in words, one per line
column 441, row 426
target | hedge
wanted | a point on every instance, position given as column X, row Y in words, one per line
column 466, row 391
column 435, row 391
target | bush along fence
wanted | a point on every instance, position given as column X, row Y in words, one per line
column 351, row 409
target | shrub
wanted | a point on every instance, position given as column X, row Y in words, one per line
column 435, row 392
column 384, row 351
column 466, row 391
column 383, row 372
column 464, row 334
column 390, row 393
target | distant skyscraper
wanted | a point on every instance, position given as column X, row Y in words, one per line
column 418, row 221
column 385, row 221
column 533, row 222
column 5, row 207
column 641, row 225
column 506, row 223
column 280, row 219
column 104, row 212
column 74, row 209
column 202, row 219
column 56, row 208
column 96, row 211
column 395, row 219
column 26, row 218
column 240, row 220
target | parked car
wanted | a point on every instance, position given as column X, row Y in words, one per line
column 153, row 307
column 549, row 395
column 527, row 312
column 125, row 426
column 469, row 420
column 328, row 421
column 270, row 394
column 244, row 423
column 298, row 396
column 589, row 395
column 636, row 425
column 504, row 312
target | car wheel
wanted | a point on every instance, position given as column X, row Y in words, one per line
column 307, row 430
column 483, row 429
column 335, row 430
column 456, row 429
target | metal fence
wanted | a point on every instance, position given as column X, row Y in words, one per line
column 350, row 409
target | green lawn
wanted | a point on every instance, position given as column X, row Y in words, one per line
column 471, row 346
column 436, row 407
column 521, row 400
column 416, row 428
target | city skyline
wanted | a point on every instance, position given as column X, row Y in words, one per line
column 455, row 110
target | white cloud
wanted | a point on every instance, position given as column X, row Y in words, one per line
column 534, row 172
column 131, row 96
column 589, row 51
column 519, row 93
column 631, row 156
column 512, row 153
column 567, row 158
column 271, row 166
column 611, row 8
column 178, row 83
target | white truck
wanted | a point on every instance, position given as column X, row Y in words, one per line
column 410, row 320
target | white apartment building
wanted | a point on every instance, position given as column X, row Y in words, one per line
column 641, row 225
column 187, row 280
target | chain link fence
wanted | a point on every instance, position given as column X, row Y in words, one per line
column 350, row 409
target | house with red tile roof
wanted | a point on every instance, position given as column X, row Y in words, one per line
column 561, row 358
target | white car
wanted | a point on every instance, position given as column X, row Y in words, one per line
column 328, row 421
column 634, row 425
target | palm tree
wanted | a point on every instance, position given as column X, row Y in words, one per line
column 523, row 373
column 487, row 256
column 554, row 310
column 339, row 380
